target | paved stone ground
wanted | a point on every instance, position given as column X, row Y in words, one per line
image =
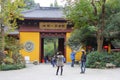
column 47, row 72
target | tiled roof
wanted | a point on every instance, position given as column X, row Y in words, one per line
column 44, row 12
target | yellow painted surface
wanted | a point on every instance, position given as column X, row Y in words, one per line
column 109, row 48
column 78, row 56
column 34, row 38
column 68, row 49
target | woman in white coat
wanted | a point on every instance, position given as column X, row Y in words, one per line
column 60, row 62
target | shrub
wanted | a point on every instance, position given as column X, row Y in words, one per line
column 18, row 58
column 94, row 60
column 116, row 60
column 12, row 60
column 16, row 62
column 8, row 60
column 2, row 56
column 5, row 67
column 99, row 60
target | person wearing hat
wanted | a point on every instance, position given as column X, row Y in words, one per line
column 83, row 61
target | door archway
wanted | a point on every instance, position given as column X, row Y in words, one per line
column 61, row 42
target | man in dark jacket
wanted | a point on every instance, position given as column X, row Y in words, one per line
column 83, row 61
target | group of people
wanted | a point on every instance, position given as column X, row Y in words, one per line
column 60, row 59
column 83, row 60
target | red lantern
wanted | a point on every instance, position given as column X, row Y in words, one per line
column 105, row 47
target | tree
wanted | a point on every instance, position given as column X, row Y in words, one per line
column 55, row 4
column 51, row 5
column 81, row 37
column 54, row 41
column 9, row 13
column 91, row 13
column 29, row 4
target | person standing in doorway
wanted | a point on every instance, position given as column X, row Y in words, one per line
column 83, row 61
column 72, row 55
column 60, row 62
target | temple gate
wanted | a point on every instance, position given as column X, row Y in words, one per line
column 41, row 23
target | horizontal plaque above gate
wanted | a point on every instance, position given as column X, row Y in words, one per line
column 52, row 25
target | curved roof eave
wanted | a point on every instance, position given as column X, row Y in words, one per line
column 34, row 18
column 44, row 13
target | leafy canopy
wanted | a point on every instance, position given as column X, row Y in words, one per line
column 10, row 12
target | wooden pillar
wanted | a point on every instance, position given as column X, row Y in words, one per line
column 109, row 48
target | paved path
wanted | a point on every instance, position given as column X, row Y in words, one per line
column 47, row 72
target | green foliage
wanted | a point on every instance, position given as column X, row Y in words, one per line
column 10, row 12
column 80, row 12
column 18, row 58
column 99, row 60
column 12, row 44
column 50, row 46
column 5, row 67
column 81, row 36
column 112, row 7
column 8, row 60
column 16, row 62
column 2, row 56
column 116, row 60
column 113, row 20
column 49, row 49
column 102, row 14
column 13, row 59
column 113, row 23
column 94, row 60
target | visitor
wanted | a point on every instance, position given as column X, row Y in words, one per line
column 72, row 55
column 60, row 62
column 83, row 61
column 53, row 61
column 46, row 60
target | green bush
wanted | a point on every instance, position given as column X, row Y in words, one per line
column 5, row 67
column 8, row 60
column 116, row 60
column 2, row 56
column 94, row 60
column 16, row 62
column 99, row 60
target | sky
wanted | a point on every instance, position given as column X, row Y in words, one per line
column 46, row 3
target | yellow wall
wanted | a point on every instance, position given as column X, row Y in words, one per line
column 34, row 38
column 68, row 49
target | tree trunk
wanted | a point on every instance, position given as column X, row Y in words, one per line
column 2, row 38
column 100, row 34
column 100, row 40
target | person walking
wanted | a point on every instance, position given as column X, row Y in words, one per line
column 53, row 61
column 60, row 62
column 72, row 55
column 83, row 61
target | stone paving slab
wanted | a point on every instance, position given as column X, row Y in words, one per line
column 47, row 72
